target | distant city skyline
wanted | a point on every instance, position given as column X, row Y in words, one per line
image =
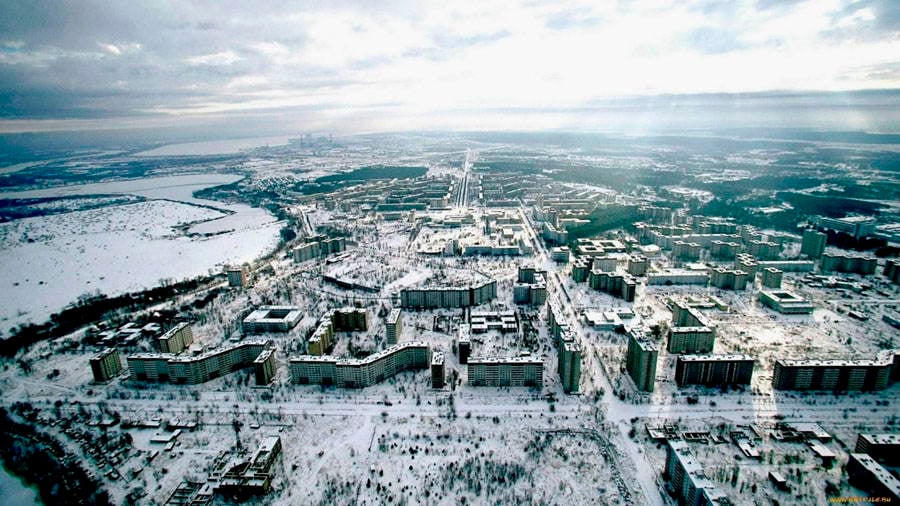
column 353, row 67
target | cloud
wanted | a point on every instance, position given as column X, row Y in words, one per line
column 221, row 58
column 406, row 59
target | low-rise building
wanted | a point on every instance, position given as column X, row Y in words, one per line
column 271, row 319
column 687, row 480
column 238, row 275
column 502, row 321
column 253, row 477
column 785, row 302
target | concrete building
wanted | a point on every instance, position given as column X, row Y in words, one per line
column 785, row 302
column 238, row 276
column 271, row 319
column 444, row 297
column 747, row 263
column 360, row 373
column 106, row 365
column 835, row 375
column 637, row 265
column 678, row 277
column 813, row 243
column 723, row 250
column 788, row 265
column 771, row 277
column 438, row 375
column 727, row 279
column 581, row 269
column 531, row 287
column 393, row 326
column 687, row 480
column 252, row 477
column 347, row 319
column 505, row 372
column 319, row 247
column 714, row 370
column 688, row 251
column 569, row 362
column 176, row 339
column 857, row 226
column 691, row 330
column 485, row 321
column 864, row 473
column 848, row 263
column 892, row 270
column 884, row 448
column 265, row 367
column 560, row 254
column 641, row 358
column 616, row 284
column 194, row 369
column 764, row 250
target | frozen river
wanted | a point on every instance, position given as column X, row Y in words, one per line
column 49, row 261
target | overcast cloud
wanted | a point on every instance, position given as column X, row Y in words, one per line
column 418, row 64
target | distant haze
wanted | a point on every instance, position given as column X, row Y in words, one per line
column 241, row 68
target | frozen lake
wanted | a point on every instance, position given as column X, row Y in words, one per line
column 15, row 491
column 49, row 261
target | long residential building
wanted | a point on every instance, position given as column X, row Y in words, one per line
column 448, row 297
column 614, row 283
column 837, row 375
column 854, row 264
column 359, row 373
column 505, row 372
column 714, row 370
column 678, row 277
column 881, row 447
column 193, row 369
column 865, row 473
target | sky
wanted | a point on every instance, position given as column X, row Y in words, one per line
column 384, row 66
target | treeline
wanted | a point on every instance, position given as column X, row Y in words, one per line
column 41, row 460
column 89, row 309
column 604, row 218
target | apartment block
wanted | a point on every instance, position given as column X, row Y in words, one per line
column 176, row 339
column 106, row 365
column 813, row 243
column 194, row 369
column 393, row 326
column 359, row 373
column 714, row 370
column 641, row 358
column 505, row 372
column 438, row 375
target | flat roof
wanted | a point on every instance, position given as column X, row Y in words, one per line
column 716, row 357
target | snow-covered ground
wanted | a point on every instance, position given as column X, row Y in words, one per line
column 50, row 261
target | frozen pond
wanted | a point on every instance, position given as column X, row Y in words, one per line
column 50, row 261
